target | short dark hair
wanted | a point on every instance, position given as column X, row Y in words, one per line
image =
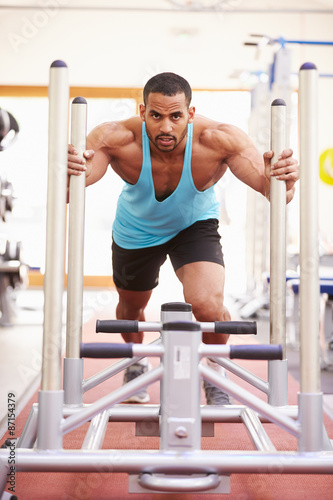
column 167, row 84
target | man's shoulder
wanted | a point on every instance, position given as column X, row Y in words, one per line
column 211, row 133
column 118, row 133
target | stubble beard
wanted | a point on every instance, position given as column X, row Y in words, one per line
column 163, row 149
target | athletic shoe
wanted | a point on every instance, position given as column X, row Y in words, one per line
column 131, row 373
column 214, row 395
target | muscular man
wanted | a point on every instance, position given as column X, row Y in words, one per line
column 170, row 160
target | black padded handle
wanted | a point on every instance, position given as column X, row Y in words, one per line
column 256, row 351
column 236, row 327
column 102, row 350
column 117, row 326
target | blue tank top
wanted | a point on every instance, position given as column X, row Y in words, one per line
column 142, row 221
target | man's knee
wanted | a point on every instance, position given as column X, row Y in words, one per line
column 210, row 308
column 132, row 304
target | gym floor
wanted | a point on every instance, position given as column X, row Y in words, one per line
column 21, row 343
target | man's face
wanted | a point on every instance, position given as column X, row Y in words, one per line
column 166, row 120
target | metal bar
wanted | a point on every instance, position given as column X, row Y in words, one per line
column 136, row 461
column 4, row 470
column 134, row 413
column 76, row 214
column 108, row 401
column 118, row 350
column 278, row 382
column 55, row 225
column 149, row 326
column 96, row 432
column 311, row 422
column 170, row 484
column 50, row 397
column 278, row 230
column 257, row 433
column 50, row 404
column 212, row 350
column 244, row 374
column 308, row 42
column 112, row 370
column 252, row 351
column 180, row 427
column 209, row 414
column 141, row 350
column 176, row 311
column 156, row 326
column 240, row 327
column 105, row 374
column 232, row 413
column 73, row 377
column 250, row 400
column 309, row 253
column 29, row 433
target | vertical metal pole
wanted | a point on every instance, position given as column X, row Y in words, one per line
column 278, row 230
column 170, row 312
column 73, row 364
column 278, row 371
column 75, row 271
column 180, row 387
column 310, row 399
column 309, row 258
column 51, row 395
column 176, row 311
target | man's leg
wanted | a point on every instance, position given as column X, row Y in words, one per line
column 203, row 287
column 131, row 306
column 135, row 274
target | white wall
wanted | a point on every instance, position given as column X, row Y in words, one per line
column 123, row 49
column 112, row 48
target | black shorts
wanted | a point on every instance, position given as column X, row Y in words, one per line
column 138, row 269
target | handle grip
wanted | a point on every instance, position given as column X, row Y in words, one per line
column 117, row 326
column 129, row 326
column 256, row 352
column 102, row 350
column 179, row 484
column 236, row 327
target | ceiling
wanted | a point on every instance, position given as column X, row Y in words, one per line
column 121, row 43
column 240, row 6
